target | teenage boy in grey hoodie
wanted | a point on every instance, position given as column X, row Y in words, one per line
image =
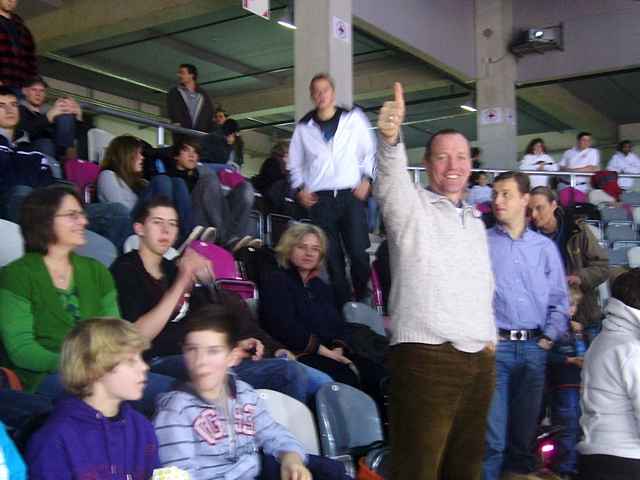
column 215, row 426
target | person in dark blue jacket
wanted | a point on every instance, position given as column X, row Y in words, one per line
column 565, row 367
column 21, row 168
column 298, row 308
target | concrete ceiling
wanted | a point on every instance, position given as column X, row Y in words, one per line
column 128, row 48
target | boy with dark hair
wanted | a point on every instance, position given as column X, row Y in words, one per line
column 210, row 207
column 21, row 169
column 214, row 426
column 157, row 294
column 610, row 397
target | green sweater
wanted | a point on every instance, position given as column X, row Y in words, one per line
column 33, row 323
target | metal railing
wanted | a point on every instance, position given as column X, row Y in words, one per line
column 162, row 126
column 417, row 171
column 137, row 118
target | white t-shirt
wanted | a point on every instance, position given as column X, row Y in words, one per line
column 622, row 163
column 574, row 158
column 531, row 161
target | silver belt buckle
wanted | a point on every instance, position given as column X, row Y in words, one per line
column 335, row 193
column 518, row 335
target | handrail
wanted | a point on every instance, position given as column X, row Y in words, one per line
column 415, row 172
column 134, row 117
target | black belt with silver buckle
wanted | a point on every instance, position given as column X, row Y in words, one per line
column 519, row 335
column 332, row 193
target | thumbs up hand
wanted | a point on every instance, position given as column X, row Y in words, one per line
column 391, row 116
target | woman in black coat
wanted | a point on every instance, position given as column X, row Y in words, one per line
column 298, row 308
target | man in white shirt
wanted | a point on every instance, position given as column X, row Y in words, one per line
column 581, row 158
column 625, row 161
column 331, row 162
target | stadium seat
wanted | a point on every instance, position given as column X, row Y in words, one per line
column 12, row 243
column 99, row 248
column 611, row 213
column 97, row 142
column 276, row 226
column 633, row 257
column 620, row 231
column 635, row 213
column 632, row 198
column 618, row 257
column 604, row 292
column 354, row 312
column 618, row 252
column 246, row 289
column 341, row 431
column 295, row 416
column 256, row 225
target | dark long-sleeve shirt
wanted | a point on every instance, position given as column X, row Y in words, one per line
column 139, row 292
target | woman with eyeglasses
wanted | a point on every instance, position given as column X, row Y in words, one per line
column 50, row 289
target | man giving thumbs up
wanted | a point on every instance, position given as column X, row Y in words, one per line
column 442, row 357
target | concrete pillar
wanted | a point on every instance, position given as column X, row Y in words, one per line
column 495, row 87
column 323, row 43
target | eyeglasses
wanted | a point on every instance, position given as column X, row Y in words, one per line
column 74, row 216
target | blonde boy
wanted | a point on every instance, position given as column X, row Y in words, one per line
column 94, row 433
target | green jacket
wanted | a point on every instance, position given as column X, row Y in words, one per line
column 33, row 323
column 589, row 261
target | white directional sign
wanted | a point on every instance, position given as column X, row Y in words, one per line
column 259, row 7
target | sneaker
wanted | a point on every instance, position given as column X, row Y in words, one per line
column 209, row 235
column 195, row 234
column 236, row 243
column 255, row 243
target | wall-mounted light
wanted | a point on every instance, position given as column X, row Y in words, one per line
column 469, row 106
column 288, row 20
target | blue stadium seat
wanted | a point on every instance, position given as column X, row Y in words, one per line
column 347, row 419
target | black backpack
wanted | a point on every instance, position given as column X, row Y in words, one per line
column 255, row 264
column 587, row 211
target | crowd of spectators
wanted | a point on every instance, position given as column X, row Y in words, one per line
column 482, row 321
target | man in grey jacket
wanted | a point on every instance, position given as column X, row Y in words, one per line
column 442, row 358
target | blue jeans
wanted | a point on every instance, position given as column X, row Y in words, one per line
column 11, row 202
column 373, row 214
column 65, row 134
column 18, row 408
column 175, row 189
column 565, row 412
column 515, row 408
column 291, row 378
column 111, row 220
column 52, row 388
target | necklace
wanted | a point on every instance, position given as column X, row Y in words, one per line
column 60, row 275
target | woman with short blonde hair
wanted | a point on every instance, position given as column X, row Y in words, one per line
column 298, row 308
column 293, row 236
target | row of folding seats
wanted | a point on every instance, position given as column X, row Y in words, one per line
column 341, row 433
